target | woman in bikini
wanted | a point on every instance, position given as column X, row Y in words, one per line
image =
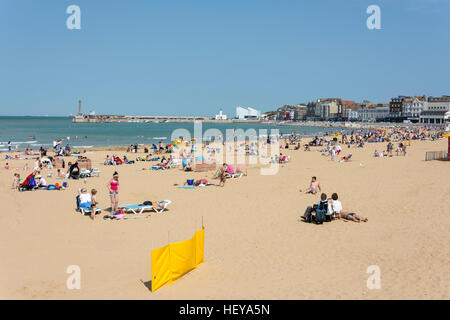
column 352, row 217
column 113, row 187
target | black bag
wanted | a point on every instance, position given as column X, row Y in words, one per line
column 147, row 203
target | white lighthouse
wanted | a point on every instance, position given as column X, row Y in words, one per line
column 221, row 116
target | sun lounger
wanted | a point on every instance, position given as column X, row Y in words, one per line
column 137, row 208
column 232, row 174
column 174, row 163
column 94, row 172
column 157, row 206
column 85, row 211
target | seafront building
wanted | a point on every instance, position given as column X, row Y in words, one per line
column 412, row 108
column 247, row 113
column 416, row 109
column 437, row 111
column 291, row 113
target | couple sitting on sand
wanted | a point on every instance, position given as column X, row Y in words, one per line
column 329, row 209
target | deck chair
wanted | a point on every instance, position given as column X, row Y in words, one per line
column 160, row 206
column 174, row 163
column 85, row 211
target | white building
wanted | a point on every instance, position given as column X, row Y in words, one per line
column 247, row 113
column 373, row 114
column 221, row 116
column 350, row 114
column 412, row 109
column 436, row 111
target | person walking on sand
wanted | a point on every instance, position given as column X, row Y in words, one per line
column 113, row 187
column 314, row 186
column 223, row 173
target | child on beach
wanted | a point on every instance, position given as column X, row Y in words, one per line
column 94, row 203
column 223, row 172
column 16, row 181
column 61, row 174
column 7, row 166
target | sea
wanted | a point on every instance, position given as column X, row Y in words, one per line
column 36, row 132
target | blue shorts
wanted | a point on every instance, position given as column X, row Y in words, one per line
column 86, row 205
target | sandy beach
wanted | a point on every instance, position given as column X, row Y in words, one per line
column 256, row 246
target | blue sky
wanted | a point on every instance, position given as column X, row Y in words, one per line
column 172, row 57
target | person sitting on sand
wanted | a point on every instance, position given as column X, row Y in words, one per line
column 307, row 216
column 60, row 174
column 41, row 183
column 74, row 171
column 7, row 166
column 314, row 186
column 376, row 154
column 335, row 206
column 188, row 167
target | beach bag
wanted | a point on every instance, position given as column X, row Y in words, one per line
column 321, row 212
column 147, row 203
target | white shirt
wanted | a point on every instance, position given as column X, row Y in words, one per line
column 336, row 206
column 42, row 182
column 85, row 197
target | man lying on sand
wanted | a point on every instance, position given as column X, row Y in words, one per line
column 314, row 186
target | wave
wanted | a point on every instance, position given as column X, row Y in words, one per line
column 24, row 142
column 159, row 138
column 82, row 147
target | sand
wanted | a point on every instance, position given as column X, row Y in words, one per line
column 256, row 247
